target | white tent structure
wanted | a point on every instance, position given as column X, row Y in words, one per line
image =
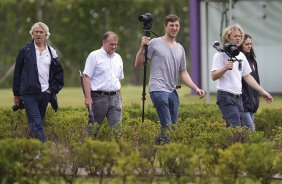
column 261, row 19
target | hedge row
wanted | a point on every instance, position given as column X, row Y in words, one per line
column 29, row 161
column 202, row 150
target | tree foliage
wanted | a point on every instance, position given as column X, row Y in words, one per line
column 76, row 28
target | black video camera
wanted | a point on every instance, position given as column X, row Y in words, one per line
column 17, row 107
column 147, row 19
column 231, row 50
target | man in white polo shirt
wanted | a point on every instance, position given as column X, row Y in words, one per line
column 102, row 74
column 229, row 74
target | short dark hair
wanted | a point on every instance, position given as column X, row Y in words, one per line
column 171, row 18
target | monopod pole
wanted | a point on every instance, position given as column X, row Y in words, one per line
column 146, row 33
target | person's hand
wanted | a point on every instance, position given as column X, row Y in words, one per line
column 200, row 92
column 268, row 98
column 228, row 65
column 17, row 100
column 145, row 40
column 88, row 103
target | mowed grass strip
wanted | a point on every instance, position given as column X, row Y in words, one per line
column 73, row 97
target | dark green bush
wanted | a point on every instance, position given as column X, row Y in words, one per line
column 66, row 126
column 276, row 137
column 13, row 124
column 257, row 161
column 98, row 157
column 267, row 120
column 260, row 161
column 200, row 111
column 22, row 161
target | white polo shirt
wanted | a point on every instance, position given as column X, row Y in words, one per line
column 105, row 71
column 231, row 81
column 43, row 66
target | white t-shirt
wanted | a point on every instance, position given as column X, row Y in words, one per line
column 231, row 81
column 105, row 71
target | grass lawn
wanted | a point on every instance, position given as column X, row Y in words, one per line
column 73, row 97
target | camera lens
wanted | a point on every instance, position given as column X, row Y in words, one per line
column 142, row 18
column 146, row 18
column 234, row 51
column 231, row 49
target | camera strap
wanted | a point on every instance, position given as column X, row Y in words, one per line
column 50, row 52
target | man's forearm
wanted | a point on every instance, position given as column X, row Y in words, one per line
column 139, row 57
column 218, row 73
column 86, row 86
column 253, row 83
column 188, row 80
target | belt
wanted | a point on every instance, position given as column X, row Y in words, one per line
column 230, row 94
column 110, row 93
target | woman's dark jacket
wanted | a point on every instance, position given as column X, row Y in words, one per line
column 26, row 79
column 249, row 95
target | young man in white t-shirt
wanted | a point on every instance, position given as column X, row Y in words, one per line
column 228, row 75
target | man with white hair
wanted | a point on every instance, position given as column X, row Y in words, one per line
column 38, row 76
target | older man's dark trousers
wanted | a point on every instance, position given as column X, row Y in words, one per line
column 35, row 107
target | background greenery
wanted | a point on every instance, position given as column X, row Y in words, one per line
column 76, row 28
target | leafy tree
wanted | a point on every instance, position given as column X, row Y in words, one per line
column 77, row 26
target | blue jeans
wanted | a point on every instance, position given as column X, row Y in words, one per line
column 167, row 105
column 249, row 120
column 107, row 106
column 231, row 107
column 35, row 108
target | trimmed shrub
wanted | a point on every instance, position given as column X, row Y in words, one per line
column 267, row 120
column 22, row 161
column 199, row 143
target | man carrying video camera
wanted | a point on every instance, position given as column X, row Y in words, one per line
column 228, row 70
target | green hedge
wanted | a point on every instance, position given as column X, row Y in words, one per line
column 202, row 150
